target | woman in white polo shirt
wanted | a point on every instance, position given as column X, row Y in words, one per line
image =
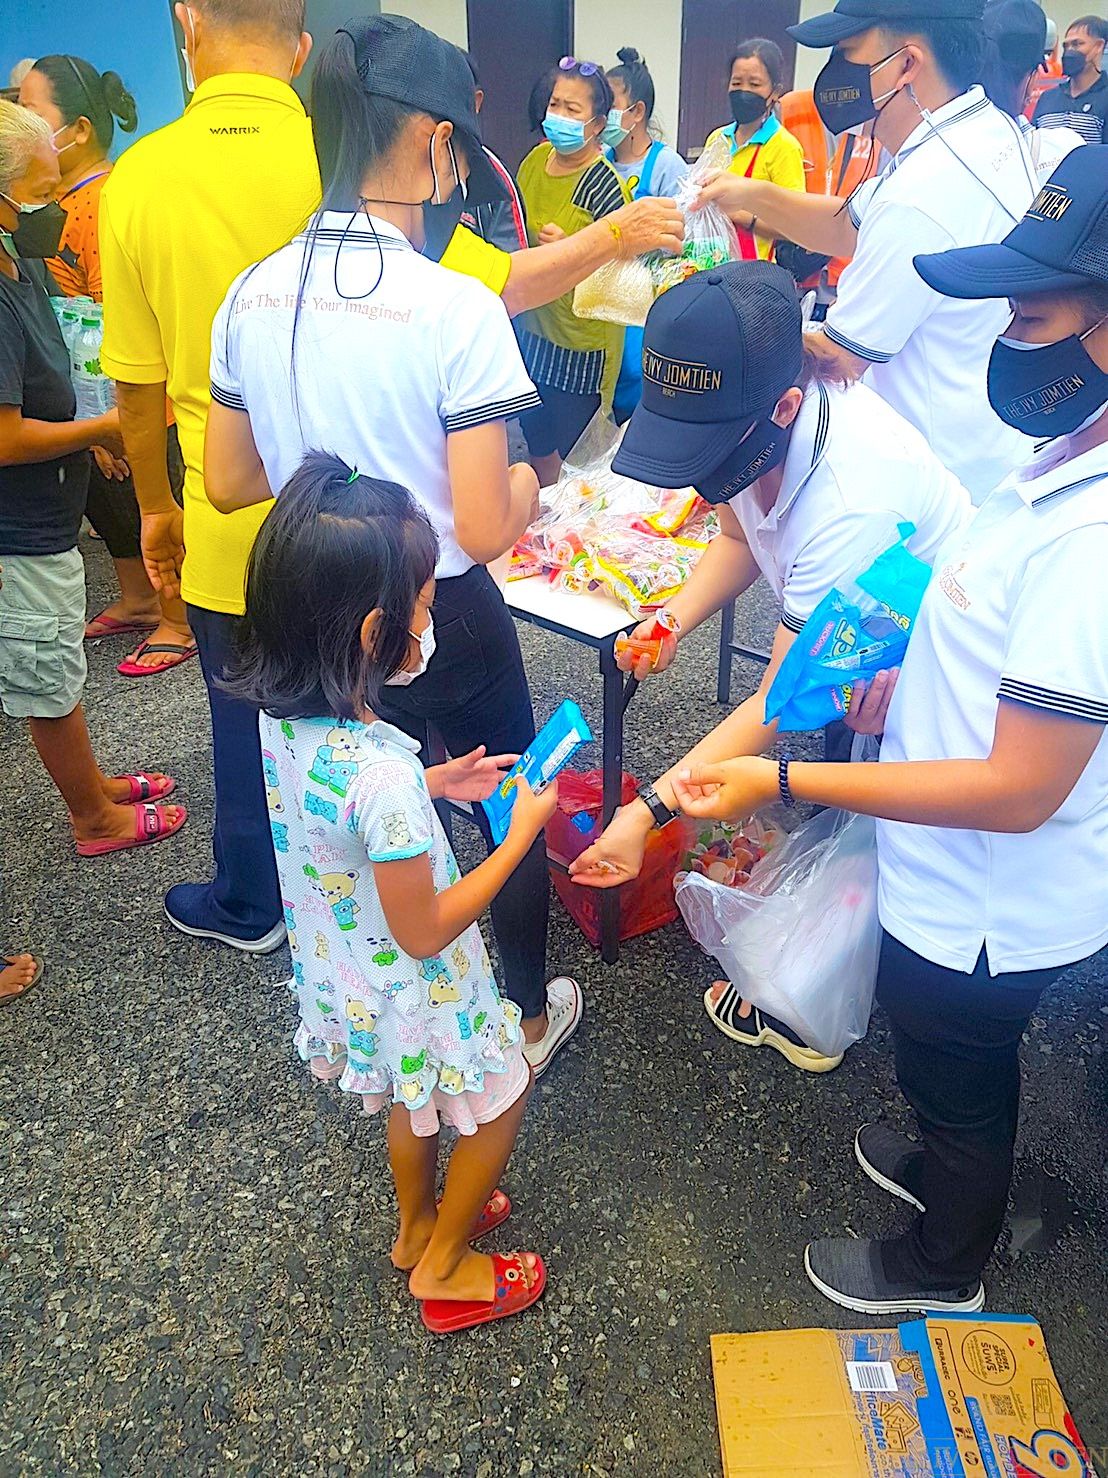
column 349, row 340
column 994, row 770
column 840, row 470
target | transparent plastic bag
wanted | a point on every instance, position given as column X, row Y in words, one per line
column 619, row 292
column 801, row 940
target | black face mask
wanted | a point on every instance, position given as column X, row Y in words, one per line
column 1073, row 63
column 843, row 92
column 440, row 222
column 762, row 448
column 1046, row 389
column 39, row 230
column 747, row 106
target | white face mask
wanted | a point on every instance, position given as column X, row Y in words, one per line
column 54, row 140
column 426, row 641
column 190, row 75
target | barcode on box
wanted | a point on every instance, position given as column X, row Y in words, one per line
column 871, row 1375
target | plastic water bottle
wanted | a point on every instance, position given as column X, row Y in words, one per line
column 94, row 390
column 69, row 320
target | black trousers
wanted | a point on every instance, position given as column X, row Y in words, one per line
column 475, row 692
column 957, row 1040
column 113, row 509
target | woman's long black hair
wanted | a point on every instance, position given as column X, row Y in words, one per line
column 334, row 547
column 80, row 91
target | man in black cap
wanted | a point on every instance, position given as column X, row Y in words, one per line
column 960, row 174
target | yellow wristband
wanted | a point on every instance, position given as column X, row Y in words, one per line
column 617, row 233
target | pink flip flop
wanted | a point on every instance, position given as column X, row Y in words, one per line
column 175, row 654
column 150, row 826
column 146, row 788
column 112, row 627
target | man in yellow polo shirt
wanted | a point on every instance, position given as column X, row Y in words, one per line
column 185, row 211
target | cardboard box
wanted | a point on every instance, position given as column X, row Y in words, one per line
column 954, row 1396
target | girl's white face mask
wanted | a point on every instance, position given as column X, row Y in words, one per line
column 426, row 641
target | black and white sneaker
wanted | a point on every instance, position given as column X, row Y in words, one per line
column 849, row 1272
column 891, row 1160
column 722, row 1002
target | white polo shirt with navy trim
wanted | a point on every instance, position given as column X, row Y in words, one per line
column 853, row 472
column 963, row 179
column 1017, row 611
column 390, row 359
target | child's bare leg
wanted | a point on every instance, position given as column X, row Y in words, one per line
column 450, row 1268
column 414, row 1161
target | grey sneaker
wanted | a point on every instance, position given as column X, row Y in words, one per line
column 891, row 1160
column 849, row 1272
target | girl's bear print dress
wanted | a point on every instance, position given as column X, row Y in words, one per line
column 431, row 1033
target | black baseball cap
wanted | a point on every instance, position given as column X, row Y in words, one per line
column 398, row 58
column 851, row 17
column 1017, row 28
column 1060, row 244
column 718, row 352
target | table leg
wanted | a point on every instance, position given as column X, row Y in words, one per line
column 726, row 637
column 612, row 770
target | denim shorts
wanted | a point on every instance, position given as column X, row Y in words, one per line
column 42, row 634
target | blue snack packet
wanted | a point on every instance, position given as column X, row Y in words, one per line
column 552, row 748
column 848, row 637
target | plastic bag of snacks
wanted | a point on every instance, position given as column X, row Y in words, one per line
column 726, row 852
column 801, row 940
column 623, row 291
column 602, row 531
column 850, row 635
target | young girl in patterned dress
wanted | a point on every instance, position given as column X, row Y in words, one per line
column 396, row 992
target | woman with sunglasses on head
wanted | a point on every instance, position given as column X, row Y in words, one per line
column 567, row 184
column 992, row 791
column 82, row 106
column 762, row 148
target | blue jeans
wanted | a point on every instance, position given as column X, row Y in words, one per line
column 244, row 897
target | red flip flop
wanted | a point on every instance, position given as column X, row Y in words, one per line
column 146, row 788
column 150, row 826
column 112, row 627
column 490, row 1218
column 175, row 654
column 512, row 1296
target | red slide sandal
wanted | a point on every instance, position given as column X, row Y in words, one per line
column 146, row 788
column 512, row 1296
column 151, row 825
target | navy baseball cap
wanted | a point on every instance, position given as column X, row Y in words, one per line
column 718, row 352
column 851, row 17
column 399, row 59
column 1060, row 244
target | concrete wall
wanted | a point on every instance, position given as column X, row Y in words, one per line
column 446, row 17
column 654, row 29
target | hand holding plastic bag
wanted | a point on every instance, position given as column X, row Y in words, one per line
column 801, row 940
column 850, row 636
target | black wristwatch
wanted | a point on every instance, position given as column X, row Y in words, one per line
column 656, row 806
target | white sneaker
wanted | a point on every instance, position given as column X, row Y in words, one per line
column 564, row 1005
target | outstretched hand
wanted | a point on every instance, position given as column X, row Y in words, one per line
column 472, row 777
column 617, row 854
column 729, row 791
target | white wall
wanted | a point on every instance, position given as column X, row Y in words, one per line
column 447, row 18
column 654, row 29
column 809, row 61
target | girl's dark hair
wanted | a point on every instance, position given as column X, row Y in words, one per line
column 80, row 91
column 632, row 72
column 596, row 82
column 334, row 547
column 768, row 53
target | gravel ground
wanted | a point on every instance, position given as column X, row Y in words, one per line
column 193, row 1271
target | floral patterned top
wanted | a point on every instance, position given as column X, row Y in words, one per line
column 343, row 796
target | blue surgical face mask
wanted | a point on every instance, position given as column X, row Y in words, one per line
column 566, row 134
column 614, row 132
